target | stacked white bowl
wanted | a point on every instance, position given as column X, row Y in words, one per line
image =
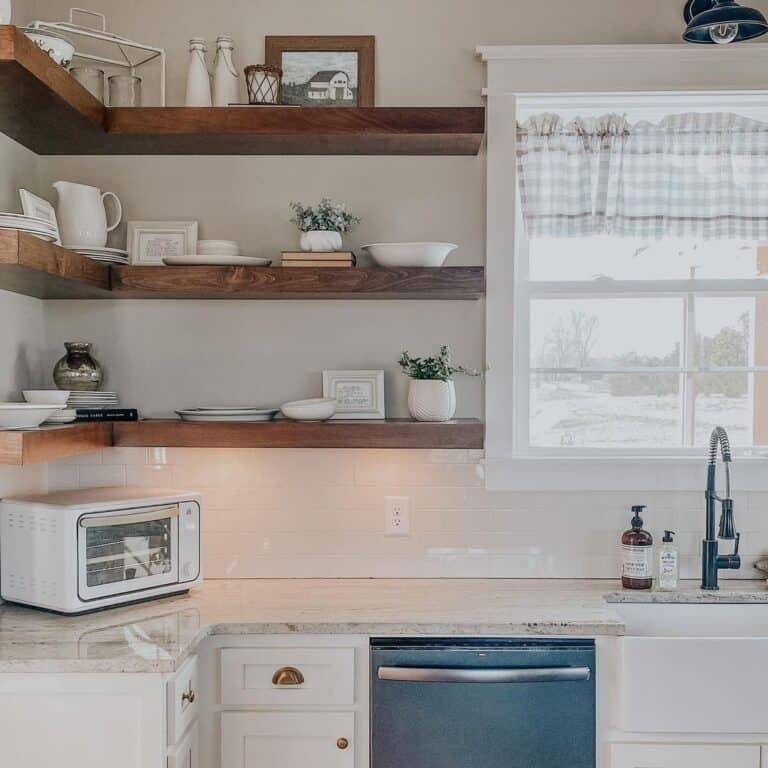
column 218, row 248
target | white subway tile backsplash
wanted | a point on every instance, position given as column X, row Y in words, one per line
column 313, row 513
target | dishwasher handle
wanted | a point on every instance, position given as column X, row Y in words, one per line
column 484, row 675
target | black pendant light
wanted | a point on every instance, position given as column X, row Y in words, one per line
column 721, row 21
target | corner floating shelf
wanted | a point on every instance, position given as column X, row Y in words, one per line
column 50, row 443
column 46, row 110
column 391, row 433
column 33, row 267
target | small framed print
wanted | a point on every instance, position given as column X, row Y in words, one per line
column 40, row 208
column 149, row 242
column 359, row 394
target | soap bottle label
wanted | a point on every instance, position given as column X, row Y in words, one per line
column 636, row 562
column 668, row 570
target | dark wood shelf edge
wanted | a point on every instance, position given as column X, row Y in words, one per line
column 391, row 433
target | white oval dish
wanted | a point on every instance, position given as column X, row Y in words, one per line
column 215, row 260
column 315, row 409
column 46, row 396
column 25, row 415
column 410, row 254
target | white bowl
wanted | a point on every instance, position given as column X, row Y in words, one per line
column 218, row 247
column 316, row 409
column 64, row 416
column 46, row 396
column 58, row 47
column 25, row 415
column 410, row 254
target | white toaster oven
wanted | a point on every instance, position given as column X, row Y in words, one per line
column 82, row 550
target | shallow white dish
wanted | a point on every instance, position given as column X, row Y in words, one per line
column 209, row 247
column 315, row 409
column 410, row 254
column 228, row 414
column 25, row 415
column 215, row 260
column 46, row 396
column 58, row 47
column 65, row 416
column 87, row 250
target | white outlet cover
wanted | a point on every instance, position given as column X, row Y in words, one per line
column 397, row 520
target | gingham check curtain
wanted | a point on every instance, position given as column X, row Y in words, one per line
column 691, row 175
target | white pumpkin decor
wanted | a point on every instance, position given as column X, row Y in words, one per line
column 431, row 394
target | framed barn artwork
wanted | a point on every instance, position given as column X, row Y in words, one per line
column 324, row 71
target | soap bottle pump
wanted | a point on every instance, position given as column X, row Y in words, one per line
column 637, row 554
column 669, row 564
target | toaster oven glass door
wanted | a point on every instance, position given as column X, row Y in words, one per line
column 127, row 551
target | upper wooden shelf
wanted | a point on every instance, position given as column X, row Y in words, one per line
column 46, row 110
column 50, row 443
column 33, row 267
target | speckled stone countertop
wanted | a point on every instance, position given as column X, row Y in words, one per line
column 731, row 591
column 157, row 636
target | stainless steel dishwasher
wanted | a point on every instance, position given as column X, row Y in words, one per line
column 485, row 703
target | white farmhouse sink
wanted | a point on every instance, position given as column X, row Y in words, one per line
column 688, row 668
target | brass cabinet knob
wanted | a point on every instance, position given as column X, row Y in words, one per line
column 342, row 743
column 188, row 696
column 288, row 676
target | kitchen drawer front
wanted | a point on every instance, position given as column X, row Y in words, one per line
column 182, row 700
column 288, row 739
column 288, row 677
column 685, row 755
column 187, row 754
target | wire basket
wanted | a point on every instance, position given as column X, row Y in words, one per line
column 264, row 83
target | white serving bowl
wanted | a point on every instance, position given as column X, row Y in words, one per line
column 218, row 248
column 25, row 415
column 316, row 409
column 58, row 47
column 46, row 396
column 410, row 254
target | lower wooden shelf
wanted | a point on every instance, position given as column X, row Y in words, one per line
column 390, row 433
column 50, row 443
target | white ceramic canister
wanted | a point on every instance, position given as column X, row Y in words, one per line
column 81, row 215
column 225, row 77
column 320, row 240
column 431, row 400
column 198, row 79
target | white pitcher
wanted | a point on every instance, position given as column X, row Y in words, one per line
column 81, row 215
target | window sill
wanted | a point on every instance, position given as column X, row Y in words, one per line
column 635, row 473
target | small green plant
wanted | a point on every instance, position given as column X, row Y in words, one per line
column 326, row 216
column 439, row 368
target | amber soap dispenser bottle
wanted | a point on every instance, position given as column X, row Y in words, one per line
column 637, row 554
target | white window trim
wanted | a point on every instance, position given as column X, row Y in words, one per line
column 522, row 70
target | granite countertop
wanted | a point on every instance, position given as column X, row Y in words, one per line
column 157, row 636
column 731, row 591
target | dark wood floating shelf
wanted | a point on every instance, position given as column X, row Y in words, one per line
column 391, row 433
column 46, row 110
column 50, row 443
column 33, row 267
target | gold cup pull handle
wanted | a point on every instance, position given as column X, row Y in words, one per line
column 342, row 743
column 188, row 696
column 288, row 676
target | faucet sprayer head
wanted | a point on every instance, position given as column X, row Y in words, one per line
column 719, row 437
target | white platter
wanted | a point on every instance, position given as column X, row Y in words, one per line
column 410, row 254
column 87, row 250
column 215, row 260
column 315, row 409
column 238, row 416
column 25, row 415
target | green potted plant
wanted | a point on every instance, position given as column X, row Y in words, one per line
column 322, row 225
column 431, row 394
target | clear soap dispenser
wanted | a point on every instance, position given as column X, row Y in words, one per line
column 669, row 564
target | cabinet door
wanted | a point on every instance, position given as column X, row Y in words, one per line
column 685, row 756
column 186, row 755
column 288, row 739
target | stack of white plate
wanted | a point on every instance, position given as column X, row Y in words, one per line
column 34, row 226
column 110, row 255
column 234, row 413
column 93, row 400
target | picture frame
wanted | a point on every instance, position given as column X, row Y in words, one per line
column 151, row 241
column 359, row 394
column 40, row 208
column 324, row 70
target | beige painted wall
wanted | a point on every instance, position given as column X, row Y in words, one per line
column 162, row 354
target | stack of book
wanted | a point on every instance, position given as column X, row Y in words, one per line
column 319, row 259
column 100, row 406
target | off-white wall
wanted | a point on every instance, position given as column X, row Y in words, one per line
column 167, row 353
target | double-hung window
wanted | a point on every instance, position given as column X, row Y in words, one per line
column 641, row 276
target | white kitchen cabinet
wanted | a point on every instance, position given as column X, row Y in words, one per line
column 646, row 755
column 288, row 739
column 182, row 699
column 187, row 753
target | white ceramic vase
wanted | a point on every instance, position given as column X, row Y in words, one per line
column 431, row 400
column 318, row 240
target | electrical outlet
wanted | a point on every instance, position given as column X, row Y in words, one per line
column 397, row 521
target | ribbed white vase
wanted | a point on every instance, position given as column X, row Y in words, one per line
column 431, row 400
column 319, row 241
